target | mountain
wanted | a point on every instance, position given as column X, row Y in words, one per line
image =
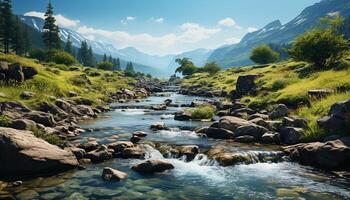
column 275, row 32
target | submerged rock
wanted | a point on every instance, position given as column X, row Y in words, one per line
column 153, row 166
column 158, row 126
column 21, row 153
column 110, row 174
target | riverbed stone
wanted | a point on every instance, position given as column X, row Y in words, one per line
column 232, row 123
column 21, row 153
column 279, row 111
column 271, row 138
column 219, row 133
column 23, row 124
column 39, row 117
column 153, row 166
column 158, row 126
column 290, row 135
column 99, row 155
column 250, row 130
column 110, row 174
column 190, row 151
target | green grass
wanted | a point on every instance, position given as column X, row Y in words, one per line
column 202, row 112
column 57, row 80
column 52, row 138
column 4, row 121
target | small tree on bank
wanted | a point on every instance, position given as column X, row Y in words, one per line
column 263, row 54
column 186, row 67
column 211, row 68
column 51, row 36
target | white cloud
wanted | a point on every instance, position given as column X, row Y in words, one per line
column 130, row 18
column 127, row 19
column 194, row 32
column 60, row 19
column 251, row 29
column 229, row 22
column 232, row 40
column 159, row 20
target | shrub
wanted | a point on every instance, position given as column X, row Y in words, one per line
column 105, row 66
column 4, row 121
column 80, row 80
column 61, row 57
column 319, row 47
column 264, row 54
column 211, row 68
column 278, row 85
column 203, row 112
column 52, row 139
column 37, row 54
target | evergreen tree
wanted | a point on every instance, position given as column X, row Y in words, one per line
column 83, row 55
column 117, row 67
column 90, row 57
column 68, row 47
column 6, row 25
column 26, row 40
column 104, row 58
column 17, row 38
column 51, row 36
column 129, row 68
column 110, row 59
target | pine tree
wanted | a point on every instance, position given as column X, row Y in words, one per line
column 51, row 36
column 6, row 25
column 117, row 67
column 83, row 53
column 104, row 58
column 129, row 68
column 26, row 40
column 17, row 38
column 68, row 47
column 90, row 57
column 110, row 59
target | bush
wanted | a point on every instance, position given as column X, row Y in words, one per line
column 264, row 54
column 4, row 121
column 321, row 47
column 52, row 139
column 61, row 57
column 203, row 112
column 211, row 68
column 38, row 54
column 105, row 66
column 278, row 85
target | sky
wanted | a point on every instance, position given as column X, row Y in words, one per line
column 161, row 27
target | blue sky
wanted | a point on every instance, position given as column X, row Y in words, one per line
column 166, row 26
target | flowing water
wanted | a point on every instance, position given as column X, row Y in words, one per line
column 199, row 179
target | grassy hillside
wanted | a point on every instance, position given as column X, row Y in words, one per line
column 59, row 80
column 285, row 82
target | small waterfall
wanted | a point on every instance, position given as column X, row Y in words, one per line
column 151, row 153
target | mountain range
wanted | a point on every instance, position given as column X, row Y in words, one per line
column 226, row 56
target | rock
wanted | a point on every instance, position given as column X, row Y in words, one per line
column 219, row 133
column 135, row 139
column 250, row 130
column 246, row 86
column 86, row 110
column 280, row 111
column 159, row 107
column 331, row 155
column 27, row 195
column 84, row 101
column 132, row 152
column 120, row 146
column 294, row 122
column 21, row 153
column 167, row 102
column 232, row 123
column 99, row 155
column 320, row 93
column 338, row 120
column 29, row 72
column 78, row 152
column 39, row 117
column 89, row 146
column 51, row 108
column 240, row 112
column 16, row 72
column 27, row 95
column 158, row 126
column 139, row 134
column 153, row 166
column 23, row 124
column 271, row 138
column 258, row 115
column 245, row 139
column 190, row 151
column 110, row 174
column 183, row 116
column 290, row 135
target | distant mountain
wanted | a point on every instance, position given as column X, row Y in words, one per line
column 275, row 32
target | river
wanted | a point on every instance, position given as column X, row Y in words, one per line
column 199, row 179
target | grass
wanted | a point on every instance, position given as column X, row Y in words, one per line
column 50, row 138
column 202, row 112
column 57, row 80
column 4, row 121
column 285, row 82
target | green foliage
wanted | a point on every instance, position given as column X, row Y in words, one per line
column 85, row 54
column 50, row 138
column 61, row 57
column 4, row 121
column 211, row 68
column 129, row 70
column 51, row 36
column 264, row 54
column 203, row 112
column 187, row 67
column 38, row 54
column 278, row 85
column 321, row 47
column 80, row 80
column 7, row 26
column 105, row 66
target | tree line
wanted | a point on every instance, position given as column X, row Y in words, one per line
column 14, row 38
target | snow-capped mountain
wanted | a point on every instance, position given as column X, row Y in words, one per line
column 275, row 32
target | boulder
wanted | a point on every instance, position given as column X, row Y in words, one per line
column 21, row 153
column 153, row 166
column 246, row 86
column 159, row 107
column 86, row 110
column 23, row 124
column 320, row 93
column 294, row 122
column 331, row 155
column 39, row 117
column 99, row 155
column 135, row 139
column 29, row 72
column 89, row 146
column 78, row 152
column 219, row 133
column 190, row 151
column 250, row 130
column 290, row 135
column 27, row 95
column 158, row 126
column 279, row 111
column 245, row 139
column 110, row 174
column 271, row 138
column 183, row 116
column 120, row 146
column 232, row 123
column 132, row 152
column 139, row 134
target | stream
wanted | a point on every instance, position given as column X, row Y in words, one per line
column 199, row 179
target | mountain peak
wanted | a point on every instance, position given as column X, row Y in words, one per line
column 275, row 24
